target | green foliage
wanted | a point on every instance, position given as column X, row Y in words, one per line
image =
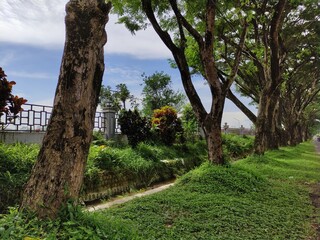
column 247, row 200
column 224, row 180
column 16, row 162
column 136, row 128
column 235, row 146
column 158, row 93
column 98, row 138
column 108, row 159
column 73, row 223
column 292, row 164
column 189, row 123
column 107, row 98
column 116, row 98
column 146, row 162
column 166, row 124
column 123, row 94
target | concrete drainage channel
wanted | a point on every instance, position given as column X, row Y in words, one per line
column 117, row 201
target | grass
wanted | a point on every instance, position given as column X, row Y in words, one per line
column 264, row 197
column 256, row 198
column 72, row 224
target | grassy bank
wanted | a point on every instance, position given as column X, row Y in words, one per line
column 143, row 163
column 256, row 198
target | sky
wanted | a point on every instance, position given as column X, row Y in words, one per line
column 31, row 46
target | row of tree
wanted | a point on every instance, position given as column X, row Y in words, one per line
column 270, row 49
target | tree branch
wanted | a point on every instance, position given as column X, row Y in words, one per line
column 241, row 106
column 181, row 19
column 235, row 67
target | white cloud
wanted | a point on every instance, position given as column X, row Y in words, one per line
column 143, row 45
column 33, row 22
column 33, row 75
column 41, row 23
column 127, row 75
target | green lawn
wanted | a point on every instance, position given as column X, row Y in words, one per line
column 257, row 198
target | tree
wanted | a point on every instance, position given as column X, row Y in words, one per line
column 108, row 97
column 158, row 93
column 283, row 38
column 300, row 99
column 9, row 104
column 190, row 21
column 123, row 94
column 116, row 98
column 57, row 175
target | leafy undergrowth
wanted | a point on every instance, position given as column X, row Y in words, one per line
column 256, row 198
column 73, row 223
column 236, row 146
column 16, row 161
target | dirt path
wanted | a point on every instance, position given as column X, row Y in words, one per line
column 116, row 201
column 315, row 199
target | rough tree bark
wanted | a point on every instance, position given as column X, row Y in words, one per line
column 266, row 133
column 266, row 126
column 58, row 173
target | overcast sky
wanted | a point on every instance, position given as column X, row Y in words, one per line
column 31, row 46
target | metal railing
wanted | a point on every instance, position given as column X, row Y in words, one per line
column 36, row 117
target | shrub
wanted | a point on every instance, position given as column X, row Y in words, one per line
column 16, row 161
column 166, row 124
column 108, row 159
column 98, row 138
column 136, row 128
column 236, row 146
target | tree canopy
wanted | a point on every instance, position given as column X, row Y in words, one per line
column 157, row 92
column 116, row 98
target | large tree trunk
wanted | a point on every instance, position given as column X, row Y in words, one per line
column 212, row 131
column 267, row 129
column 266, row 136
column 58, row 173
